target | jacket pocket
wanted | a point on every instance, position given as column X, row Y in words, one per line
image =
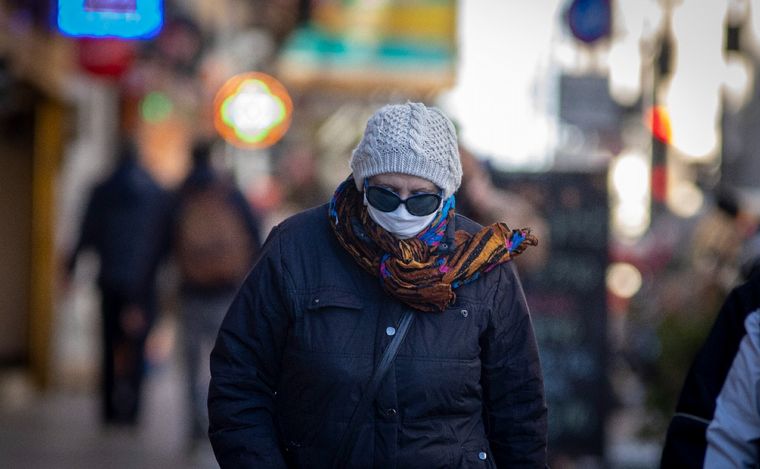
column 332, row 320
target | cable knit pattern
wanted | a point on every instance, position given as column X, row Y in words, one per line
column 410, row 139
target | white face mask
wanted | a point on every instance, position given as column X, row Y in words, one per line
column 399, row 222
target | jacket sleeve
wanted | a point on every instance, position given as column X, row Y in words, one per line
column 245, row 367
column 735, row 429
column 513, row 390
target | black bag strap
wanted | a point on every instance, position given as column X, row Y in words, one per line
column 348, row 440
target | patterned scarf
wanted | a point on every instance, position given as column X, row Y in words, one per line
column 421, row 271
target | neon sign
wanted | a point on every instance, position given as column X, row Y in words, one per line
column 129, row 19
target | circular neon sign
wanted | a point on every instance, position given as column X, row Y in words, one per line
column 252, row 110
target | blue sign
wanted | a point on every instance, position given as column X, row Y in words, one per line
column 129, row 19
column 590, row 20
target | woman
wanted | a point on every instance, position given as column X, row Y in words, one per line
column 326, row 299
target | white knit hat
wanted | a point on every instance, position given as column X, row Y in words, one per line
column 409, row 139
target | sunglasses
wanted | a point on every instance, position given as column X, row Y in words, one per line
column 387, row 201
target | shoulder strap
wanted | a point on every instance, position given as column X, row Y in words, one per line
column 348, row 440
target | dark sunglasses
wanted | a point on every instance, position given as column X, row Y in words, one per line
column 387, row 201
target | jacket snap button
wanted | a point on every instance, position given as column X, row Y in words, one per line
column 390, row 330
column 390, row 412
column 316, row 300
column 464, row 313
column 482, row 456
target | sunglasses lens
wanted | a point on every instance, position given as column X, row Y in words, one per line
column 382, row 199
column 418, row 205
column 422, row 204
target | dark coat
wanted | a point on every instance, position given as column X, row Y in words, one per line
column 686, row 442
column 302, row 339
column 123, row 215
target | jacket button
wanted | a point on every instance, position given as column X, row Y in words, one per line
column 316, row 301
column 391, row 412
column 482, row 456
column 390, row 330
column 465, row 313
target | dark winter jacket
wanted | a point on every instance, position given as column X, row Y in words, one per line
column 302, row 339
column 123, row 215
column 685, row 442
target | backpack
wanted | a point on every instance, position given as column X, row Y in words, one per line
column 214, row 247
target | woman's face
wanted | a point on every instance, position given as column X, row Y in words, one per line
column 403, row 184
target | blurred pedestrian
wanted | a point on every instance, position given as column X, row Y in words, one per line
column 122, row 217
column 718, row 393
column 304, row 372
column 215, row 236
column 718, row 240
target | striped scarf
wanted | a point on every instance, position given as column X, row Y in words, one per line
column 422, row 271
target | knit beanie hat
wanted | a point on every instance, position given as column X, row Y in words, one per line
column 409, row 139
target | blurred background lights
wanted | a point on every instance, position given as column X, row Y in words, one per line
column 625, row 72
column 491, row 96
column 658, row 121
column 155, row 107
column 694, row 113
column 129, row 19
column 630, row 198
column 636, row 21
column 693, row 94
column 630, row 220
column 685, row 199
column 630, row 177
column 738, row 81
column 623, row 279
column 252, row 110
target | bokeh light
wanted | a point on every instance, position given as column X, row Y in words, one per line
column 685, row 199
column 630, row 177
column 623, row 279
column 693, row 94
column 156, row 107
column 252, row 110
column 630, row 184
column 738, row 81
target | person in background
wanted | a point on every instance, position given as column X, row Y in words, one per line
column 733, row 434
column 120, row 223
column 718, row 240
column 214, row 238
column 718, row 384
column 304, row 371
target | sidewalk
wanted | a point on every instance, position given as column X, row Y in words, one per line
column 62, row 429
